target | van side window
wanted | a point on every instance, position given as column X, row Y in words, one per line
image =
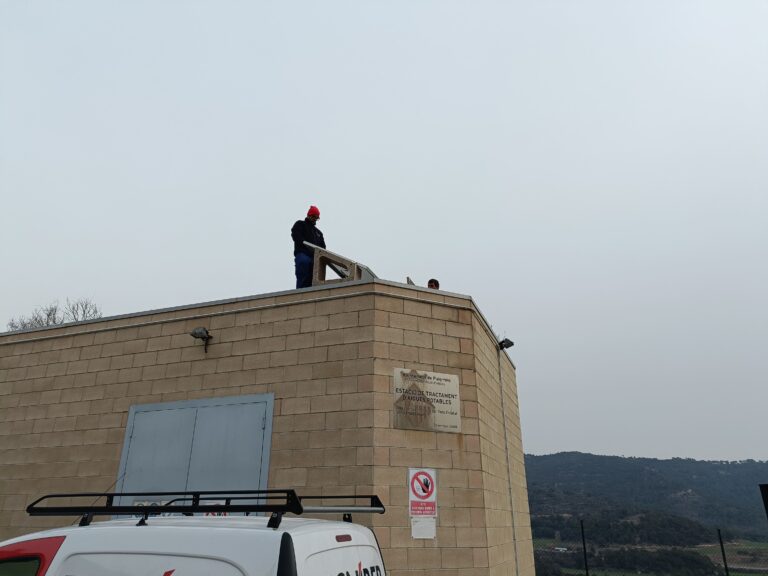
column 19, row 567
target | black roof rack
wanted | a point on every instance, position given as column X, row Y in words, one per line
column 277, row 502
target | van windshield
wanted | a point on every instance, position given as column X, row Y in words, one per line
column 19, row 567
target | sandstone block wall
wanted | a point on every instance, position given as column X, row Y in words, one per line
column 328, row 356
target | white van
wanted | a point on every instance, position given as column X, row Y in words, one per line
column 194, row 545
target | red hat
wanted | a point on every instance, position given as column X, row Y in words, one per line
column 313, row 211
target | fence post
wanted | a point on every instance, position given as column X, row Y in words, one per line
column 584, row 547
column 722, row 550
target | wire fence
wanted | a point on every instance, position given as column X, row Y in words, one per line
column 577, row 554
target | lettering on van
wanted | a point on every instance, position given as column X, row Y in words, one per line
column 372, row 571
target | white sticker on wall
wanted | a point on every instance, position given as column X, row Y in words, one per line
column 423, row 528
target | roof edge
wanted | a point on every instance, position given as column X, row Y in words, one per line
column 280, row 298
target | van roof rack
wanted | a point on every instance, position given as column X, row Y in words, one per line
column 276, row 502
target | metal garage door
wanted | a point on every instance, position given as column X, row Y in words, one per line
column 210, row 444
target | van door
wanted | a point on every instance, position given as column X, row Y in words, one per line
column 346, row 561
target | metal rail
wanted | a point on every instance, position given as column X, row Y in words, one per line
column 375, row 506
column 275, row 502
column 269, row 501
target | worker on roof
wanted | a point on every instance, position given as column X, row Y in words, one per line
column 306, row 231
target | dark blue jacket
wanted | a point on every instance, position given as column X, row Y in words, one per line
column 305, row 230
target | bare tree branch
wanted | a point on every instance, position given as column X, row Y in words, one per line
column 81, row 309
column 51, row 315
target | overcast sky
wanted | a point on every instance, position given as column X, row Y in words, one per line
column 593, row 173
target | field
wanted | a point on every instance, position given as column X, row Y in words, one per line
column 744, row 557
column 752, row 557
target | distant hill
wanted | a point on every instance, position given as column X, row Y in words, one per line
column 655, row 493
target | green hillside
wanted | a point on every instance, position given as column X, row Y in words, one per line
column 641, row 498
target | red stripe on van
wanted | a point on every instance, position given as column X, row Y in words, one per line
column 44, row 549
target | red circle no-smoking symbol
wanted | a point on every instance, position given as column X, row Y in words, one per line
column 422, row 485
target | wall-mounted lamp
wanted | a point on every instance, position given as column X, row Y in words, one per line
column 202, row 334
column 506, row 343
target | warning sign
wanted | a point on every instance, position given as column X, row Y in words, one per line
column 422, row 492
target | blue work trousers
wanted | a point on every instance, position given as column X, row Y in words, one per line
column 303, row 270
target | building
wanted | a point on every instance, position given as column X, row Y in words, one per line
column 336, row 389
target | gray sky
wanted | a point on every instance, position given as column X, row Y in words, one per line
column 593, row 173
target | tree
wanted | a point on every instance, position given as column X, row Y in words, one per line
column 53, row 314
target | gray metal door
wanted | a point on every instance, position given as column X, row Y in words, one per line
column 209, row 444
column 226, row 451
column 158, row 450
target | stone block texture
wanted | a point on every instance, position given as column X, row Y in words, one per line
column 328, row 355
